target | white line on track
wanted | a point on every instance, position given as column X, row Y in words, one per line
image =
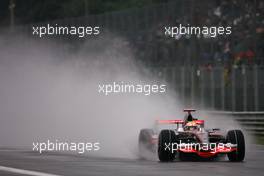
column 24, row 172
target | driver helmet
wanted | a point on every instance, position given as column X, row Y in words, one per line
column 191, row 126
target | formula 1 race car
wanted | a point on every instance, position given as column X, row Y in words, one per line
column 188, row 140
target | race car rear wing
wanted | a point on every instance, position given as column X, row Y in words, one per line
column 178, row 122
column 169, row 121
column 199, row 122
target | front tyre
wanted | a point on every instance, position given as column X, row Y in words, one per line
column 236, row 137
column 166, row 139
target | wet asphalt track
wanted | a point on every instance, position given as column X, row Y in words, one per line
column 75, row 165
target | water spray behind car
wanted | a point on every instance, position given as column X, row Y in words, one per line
column 50, row 92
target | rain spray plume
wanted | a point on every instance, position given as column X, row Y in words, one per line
column 46, row 94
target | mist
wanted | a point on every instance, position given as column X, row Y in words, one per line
column 50, row 92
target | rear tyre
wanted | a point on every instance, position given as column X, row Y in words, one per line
column 166, row 138
column 236, row 137
column 145, row 147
